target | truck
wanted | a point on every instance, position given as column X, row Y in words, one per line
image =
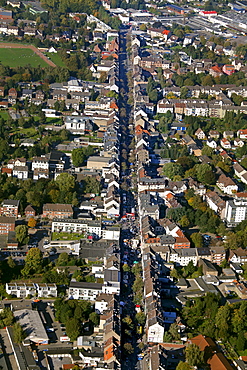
column 64, row 338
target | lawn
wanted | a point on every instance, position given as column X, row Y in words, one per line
column 4, row 114
column 54, row 121
column 55, row 58
column 20, row 58
column 29, row 132
column 66, row 236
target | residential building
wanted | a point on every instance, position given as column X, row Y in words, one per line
column 85, row 291
column 226, row 184
column 20, row 290
column 52, row 211
column 9, row 208
column 7, row 224
column 46, row 290
column 88, row 227
column 236, row 211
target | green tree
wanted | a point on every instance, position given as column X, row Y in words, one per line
column 21, row 232
column 193, row 354
column 63, row 259
column 73, row 328
column 140, row 318
column 222, row 321
column 183, row 366
column 11, row 263
column 129, row 322
column 184, row 221
column 65, row 182
column 78, row 157
column 128, row 348
column 167, row 338
column 19, row 334
column 33, row 262
column 172, row 170
column 173, row 330
column 197, row 239
column 94, row 317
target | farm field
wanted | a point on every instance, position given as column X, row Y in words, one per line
column 14, row 57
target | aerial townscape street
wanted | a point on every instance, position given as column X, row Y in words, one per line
column 123, row 185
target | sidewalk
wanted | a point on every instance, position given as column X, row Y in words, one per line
column 8, row 358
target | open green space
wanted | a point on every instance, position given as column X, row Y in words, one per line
column 66, row 236
column 20, row 58
column 55, row 58
column 54, row 121
column 4, row 114
column 29, row 132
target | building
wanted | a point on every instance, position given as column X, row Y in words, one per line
column 20, row 290
column 30, row 211
column 97, row 162
column 52, row 211
column 236, row 211
column 9, row 208
column 46, row 290
column 7, row 224
column 31, row 322
column 85, row 291
column 226, row 184
column 215, row 358
column 88, row 227
column 40, row 163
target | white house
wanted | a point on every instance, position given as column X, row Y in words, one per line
column 20, row 172
column 155, row 332
column 20, row 290
column 83, row 290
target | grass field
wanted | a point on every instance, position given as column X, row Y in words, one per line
column 20, row 58
column 4, row 114
column 55, row 58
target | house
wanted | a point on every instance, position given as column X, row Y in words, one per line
column 7, row 224
column 40, row 163
column 238, row 256
column 29, row 211
column 211, row 143
column 213, row 134
column 238, row 142
column 235, row 211
column 17, row 162
column 226, row 144
column 85, row 291
column 242, row 134
column 103, row 302
column 228, row 134
column 226, row 184
column 52, row 211
column 12, row 95
column 89, row 227
column 200, row 134
column 20, row 172
column 215, row 202
column 20, row 290
column 9, row 208
column 228, row 69
column 155, row 328
column 215, row 359
column 46, row 290
column 215, row 71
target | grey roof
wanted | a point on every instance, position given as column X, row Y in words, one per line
column 85, row 285
column 10, row 202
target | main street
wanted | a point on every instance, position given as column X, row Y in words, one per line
column 130, row 228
